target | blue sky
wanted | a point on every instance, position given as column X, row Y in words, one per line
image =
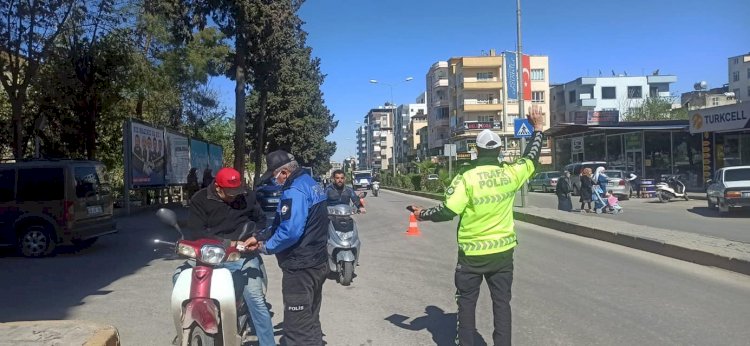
column 388, row 40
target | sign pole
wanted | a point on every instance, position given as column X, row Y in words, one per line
column 519, row 63
column 126, row 148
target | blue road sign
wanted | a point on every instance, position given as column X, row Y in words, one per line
column 522, row 128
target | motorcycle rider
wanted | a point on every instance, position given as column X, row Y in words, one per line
column 339, row 193
column 219, row 211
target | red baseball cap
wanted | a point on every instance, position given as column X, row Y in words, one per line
column 230, row 180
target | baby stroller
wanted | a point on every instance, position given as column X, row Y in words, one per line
column 601, row 205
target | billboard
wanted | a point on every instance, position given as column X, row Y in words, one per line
column 721, row 118
column 511, row 75
column 596, row 117
column 215, row 158
column 146, row 155
column 177, row 150
column 199, row 157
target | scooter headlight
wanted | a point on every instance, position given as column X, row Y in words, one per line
column 186, row 250
column 212, row 254
column 345, row 235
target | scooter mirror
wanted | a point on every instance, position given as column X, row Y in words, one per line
column 168, row 217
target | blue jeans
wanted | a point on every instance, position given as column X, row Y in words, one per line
column 254, row 271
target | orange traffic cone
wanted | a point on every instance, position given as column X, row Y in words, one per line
column 413, row 227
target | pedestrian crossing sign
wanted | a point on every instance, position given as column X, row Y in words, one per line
column 522, row 128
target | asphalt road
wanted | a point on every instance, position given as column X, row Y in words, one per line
column 568, row 290
column 692, row 216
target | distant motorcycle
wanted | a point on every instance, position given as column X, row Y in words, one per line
column 671, row 189
column 375, row 188
column 343, row 241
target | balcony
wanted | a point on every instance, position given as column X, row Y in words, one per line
column 484, row 61
column 443, row 82
column 661, row 79
column 472, row 83
column 474, row 126
column 474, row 105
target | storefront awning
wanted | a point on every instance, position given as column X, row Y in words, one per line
column 663, row 125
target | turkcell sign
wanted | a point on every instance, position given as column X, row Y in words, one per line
column 511, row 75
column 722, row 118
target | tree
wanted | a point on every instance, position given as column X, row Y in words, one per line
column 654, row 108
column 28, row 30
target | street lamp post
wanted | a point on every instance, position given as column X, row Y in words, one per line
column 519, row 59
column 393, row 110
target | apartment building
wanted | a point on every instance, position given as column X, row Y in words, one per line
column 375, row 139
column 616, row 95
column 714, row 97
column 739, row 77
column 478, row 99
column 404, row 114
column 414, row 142
column 437, row 97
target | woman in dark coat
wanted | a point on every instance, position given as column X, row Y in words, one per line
column 563, row 193
column 587, row 185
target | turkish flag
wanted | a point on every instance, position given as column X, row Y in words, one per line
column 526, row 61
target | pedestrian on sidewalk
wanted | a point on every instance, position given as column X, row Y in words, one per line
column 482, row 195
column 562, row 190
column 587, row 189
column 635, row 183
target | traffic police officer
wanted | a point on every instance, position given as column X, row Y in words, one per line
column 482, row 195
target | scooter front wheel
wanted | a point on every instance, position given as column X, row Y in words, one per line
column 198, row 337
column 347, row 273
column 662, row 197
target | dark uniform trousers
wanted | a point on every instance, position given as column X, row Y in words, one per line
column 303, row 292
column 498, row 270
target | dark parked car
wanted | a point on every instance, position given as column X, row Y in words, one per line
column 45, row 203
column 268, row 195
column 545, row 181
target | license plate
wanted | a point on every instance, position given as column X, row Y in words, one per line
column 611, row 183
column 273, row 200
column 94, row 209
column 746, row 195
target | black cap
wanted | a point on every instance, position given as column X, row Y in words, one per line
column 275, row 160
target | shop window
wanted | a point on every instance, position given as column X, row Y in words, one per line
column 593, row 148
column 688, row 159
column 658, row 159
column 615, row 153
column 562, row 152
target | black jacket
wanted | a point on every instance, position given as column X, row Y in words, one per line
column 211, row 217
column 344, row 196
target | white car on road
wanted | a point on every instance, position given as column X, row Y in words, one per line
column 729, row 188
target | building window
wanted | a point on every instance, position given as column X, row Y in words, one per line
column 736, row 76
column 572, row 96
column 714, row 101
column 748, row 91
column 537, row 96
column 736, row 61
column 748, row 73
column 609, row 93
column 484, row 75
column 635, row 92
column 736, row 93
column 537, row 74
column 486, row 119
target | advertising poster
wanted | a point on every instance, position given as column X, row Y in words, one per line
column 215, row 157
column 177, row 151
column 511, row 75
column 199, row 159
column 147, row 155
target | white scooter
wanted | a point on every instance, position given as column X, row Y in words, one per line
column 671, row 189
column 375, row 188
column 205, row 307
column 343, row 241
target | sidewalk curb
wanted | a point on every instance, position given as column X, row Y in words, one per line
column 656, row 246
column 58, row 332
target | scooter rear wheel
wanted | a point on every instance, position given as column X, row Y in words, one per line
column 198, row 337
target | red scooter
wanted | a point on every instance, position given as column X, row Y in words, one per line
column 205, row 307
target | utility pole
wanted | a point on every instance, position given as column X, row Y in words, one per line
column 519, row 60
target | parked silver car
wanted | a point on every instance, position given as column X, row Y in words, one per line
column 729, row 188
column 618, row 182
column 545, row 181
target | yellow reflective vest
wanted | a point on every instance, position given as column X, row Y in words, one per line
column 483, row 196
